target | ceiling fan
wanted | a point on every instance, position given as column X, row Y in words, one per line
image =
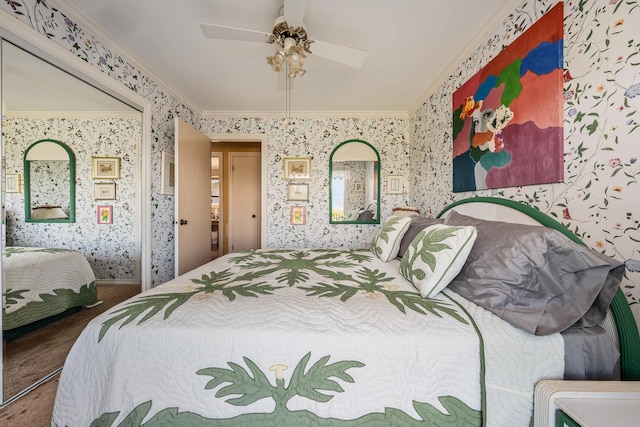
column 289, row 33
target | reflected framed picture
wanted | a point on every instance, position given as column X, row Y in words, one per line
column 298, row 215
column 105, row 214
column 297, row 168
column 168, row 174
column 395, row 184
column 13, row 183
column 298, row 192
column 358, row 187
column 105, row 191
column 105, row 167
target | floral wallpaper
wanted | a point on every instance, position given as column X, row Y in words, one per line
column 112, row 250
column 316, row 138
column 598, row 199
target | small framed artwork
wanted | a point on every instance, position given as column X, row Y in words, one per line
column 13, row 183
column 105, row 191
column 298, row 215
column 354, row 199
column 168, row 174
column 105, row 214
column 358, row 187
column 105, row 167
column 395, row 184
column 297, row 168
column 298, row 192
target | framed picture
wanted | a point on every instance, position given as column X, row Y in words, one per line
column 298, row 215
column 105, row 214
column 13, row 183
column 168, row 174
column 358, row 187
column 298, row 192
column 105, row 191
column 395, row 184
column 297, row 168
column 105, row 167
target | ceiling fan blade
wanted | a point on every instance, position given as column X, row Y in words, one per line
column 294, row 12
column 230, row 33
column 343, row 54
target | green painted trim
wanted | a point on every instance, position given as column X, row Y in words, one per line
column 377, row 220
column 72, row 185
column 625, row 321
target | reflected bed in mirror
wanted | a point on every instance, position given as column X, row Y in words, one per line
column 354, row 171
column 49, row 182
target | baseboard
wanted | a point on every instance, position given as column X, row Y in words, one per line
column 116, row 282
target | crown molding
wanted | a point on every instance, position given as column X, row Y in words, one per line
column 74, row 115
column 466, row 52
column 219, row 114
column 95, row 30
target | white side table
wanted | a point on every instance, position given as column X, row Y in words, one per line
column 587, row 403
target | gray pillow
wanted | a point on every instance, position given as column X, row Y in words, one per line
column 418, row 223
column 535, row 277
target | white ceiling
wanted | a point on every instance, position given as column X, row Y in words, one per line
column 410, row 44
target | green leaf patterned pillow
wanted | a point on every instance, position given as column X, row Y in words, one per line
column 436, row 256
column 386, row 243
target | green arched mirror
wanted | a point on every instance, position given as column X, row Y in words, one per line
column 49, row 182
column 354, row 183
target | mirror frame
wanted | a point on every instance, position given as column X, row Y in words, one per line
column 377, row 220
column 72, row 184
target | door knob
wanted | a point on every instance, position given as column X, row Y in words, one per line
column 183, row 222
column 253, row 216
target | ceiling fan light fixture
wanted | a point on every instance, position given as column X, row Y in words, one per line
column 295, row 61
column 277, row 61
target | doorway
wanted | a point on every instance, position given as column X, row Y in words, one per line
column 226, row 219
column 216, row 203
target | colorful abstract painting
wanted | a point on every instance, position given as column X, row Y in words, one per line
column 508, row 118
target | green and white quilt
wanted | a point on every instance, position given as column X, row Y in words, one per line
column 42, row 282
column 301, row 337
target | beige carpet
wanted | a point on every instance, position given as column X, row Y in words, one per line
column 29, row 358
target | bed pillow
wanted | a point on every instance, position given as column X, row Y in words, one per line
column 535, row 277
column 436, row 255
column 418, row 223
column 385, row 244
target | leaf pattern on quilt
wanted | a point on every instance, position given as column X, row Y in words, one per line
column 12, row 296
column 7, row 252
column 222, row 281
column 374, row 281
column 252, row 385
column 295, row 265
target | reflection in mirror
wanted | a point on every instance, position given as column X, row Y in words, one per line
column 354, row 170
column 49, row 182
column 40, row 100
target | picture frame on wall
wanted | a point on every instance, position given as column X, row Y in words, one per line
column 298, row 215
column 13, row 183
column 168, row 173
column 297, row 168
column 298, row 192
column 358, row 187
column 395, row 184
column 105, row 167
column 105, row 214
column 105, row 191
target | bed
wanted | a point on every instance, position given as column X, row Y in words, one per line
column 41, row 284
column 340, row 337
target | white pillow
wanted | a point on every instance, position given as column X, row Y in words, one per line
column 386, row 243
column 436, row 255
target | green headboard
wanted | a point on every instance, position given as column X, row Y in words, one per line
column 628, row 337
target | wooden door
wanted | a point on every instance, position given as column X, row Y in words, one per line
column 192, row 198
column 244, row 201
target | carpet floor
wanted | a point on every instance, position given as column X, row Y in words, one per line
column 35, row 355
